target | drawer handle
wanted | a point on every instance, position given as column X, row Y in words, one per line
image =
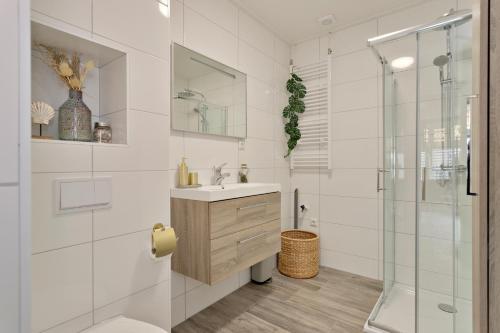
column 254, row 206
column 252, row 238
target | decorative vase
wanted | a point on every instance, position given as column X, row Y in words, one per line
column 75, row 119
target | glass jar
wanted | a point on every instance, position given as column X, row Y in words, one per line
column 243, row 173
column 102, row 132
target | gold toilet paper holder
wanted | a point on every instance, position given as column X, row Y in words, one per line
column 163, row 240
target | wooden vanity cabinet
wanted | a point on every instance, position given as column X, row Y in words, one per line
column 220, row 238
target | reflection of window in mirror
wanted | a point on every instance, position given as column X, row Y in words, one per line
column 207, row 96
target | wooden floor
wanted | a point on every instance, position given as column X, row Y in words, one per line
column 333, row 302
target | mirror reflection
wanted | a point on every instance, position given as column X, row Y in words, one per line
column 208, row 97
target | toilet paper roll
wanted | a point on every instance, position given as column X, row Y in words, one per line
column 163, row 241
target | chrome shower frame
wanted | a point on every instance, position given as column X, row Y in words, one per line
column 446, row 22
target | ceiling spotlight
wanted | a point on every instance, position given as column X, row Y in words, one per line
column 402, row 62
column 327, row 20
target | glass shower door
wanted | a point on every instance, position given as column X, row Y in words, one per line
column 443, row 209
column 386, row 187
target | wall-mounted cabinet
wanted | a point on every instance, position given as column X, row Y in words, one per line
column 105, row 88
column 220, row 238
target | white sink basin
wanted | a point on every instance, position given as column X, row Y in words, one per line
column 224, row 192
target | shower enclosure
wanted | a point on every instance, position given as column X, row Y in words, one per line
column 427, row 84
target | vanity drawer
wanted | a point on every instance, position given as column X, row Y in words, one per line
column 230, row 216
column 235, row 252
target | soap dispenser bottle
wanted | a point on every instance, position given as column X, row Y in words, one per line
column 183, row 173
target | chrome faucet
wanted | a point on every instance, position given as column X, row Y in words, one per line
column 218, row 175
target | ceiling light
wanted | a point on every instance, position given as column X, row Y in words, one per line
column 402, row 62
column 327, row 20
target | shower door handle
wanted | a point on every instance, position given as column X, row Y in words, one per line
column 471, row 121
column 423, row 181
column 379, row 186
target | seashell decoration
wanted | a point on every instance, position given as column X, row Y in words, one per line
column 41, row 113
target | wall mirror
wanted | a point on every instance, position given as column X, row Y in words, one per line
column 207, row 96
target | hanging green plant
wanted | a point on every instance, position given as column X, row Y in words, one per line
column 291, row 112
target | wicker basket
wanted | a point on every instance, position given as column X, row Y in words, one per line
column 299, row 256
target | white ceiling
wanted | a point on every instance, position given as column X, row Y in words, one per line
column 296, row 20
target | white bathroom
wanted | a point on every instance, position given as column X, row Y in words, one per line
column 248, row 166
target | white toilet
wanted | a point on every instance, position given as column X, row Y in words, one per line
column 124, row 325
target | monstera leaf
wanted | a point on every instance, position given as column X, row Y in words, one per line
column 295, row 106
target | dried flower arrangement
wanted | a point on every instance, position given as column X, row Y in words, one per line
column 70, row 70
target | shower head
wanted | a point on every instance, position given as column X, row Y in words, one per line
column 186, row 93
column 441, row 61
column 189, row 93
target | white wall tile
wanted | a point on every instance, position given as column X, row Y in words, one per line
column 178, row 310
column 9, row 94
column 436, row 255
column 258, row 153
column 140, row 199
column 405, row 217
column 306, row 182
column 255, row 63
column 177, row 21
column 204, row 295
column 9, row 257
column 347, row 96
column 354, row 66
column 209, row 39
column 282, row 52
column 151, row 305
column 149, row 83
column 360, row 154
column 259, row 94
column 118, row 20
column 147, row 145
column 178, row 284
column 357, row 183
column 50, row 230
column 260, row 124
column 76, row 13
column 222, row 12
column 74, row 325
column 259, row 175
column 131, row 269
column 342, row 210
column 405, row 250
column 349, row 263
column 204, row 152
column 255, row 34
column 353, row 38
column 176, row 149
column 61, row 157
column 282, row 176
column 306, row 53
column 361, row 242
column 113, row 86
column 405, row 275
column 59, row 276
